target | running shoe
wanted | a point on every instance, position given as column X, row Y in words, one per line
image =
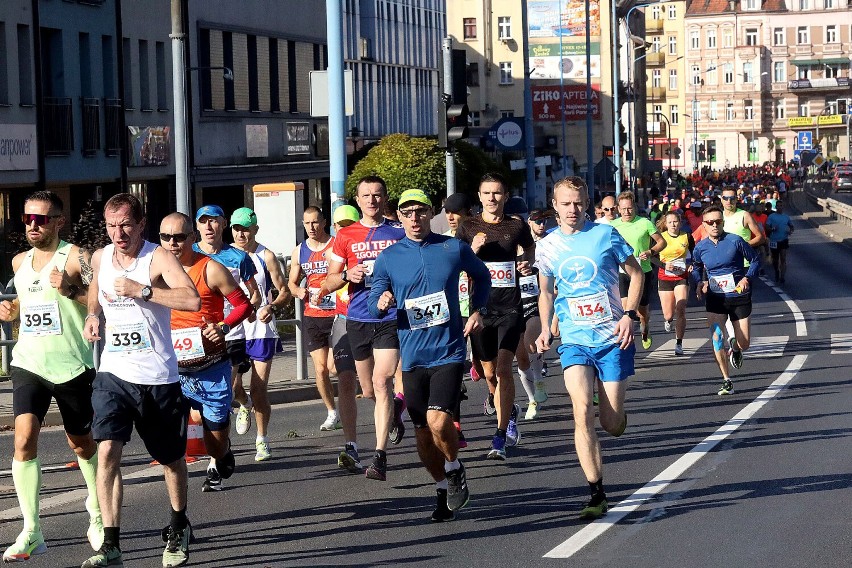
column 263, row 452
column 213, row 482
column 349, row 460
column 442, row 513
column 543, row 367
column 95, row 534
column 513, row 435
column 594, row 510
column 727, row 388
column 488, row 406
column 667, row 325
column 458, row 494
column 498, row 449
column 646, row 342
column 540, row 392
column 107, row 555
column 474, row 376
column 462, row 440
column 243, row 420
column 378, row 470
column 532, row 411
column 176, row 552
column 26, row 545
column 331, row 423
column 678, row 349
column 397, row 430
column 735, row 355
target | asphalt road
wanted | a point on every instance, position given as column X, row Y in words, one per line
column 757, row 479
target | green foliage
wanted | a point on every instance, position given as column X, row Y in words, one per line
column 472, row 163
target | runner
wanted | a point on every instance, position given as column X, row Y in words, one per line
column 639, row 232
column 582, row 260
column 261, row 333
column 673, row 274
column 51, row 360
column 420, row 273
column 609, row 210
column 344, row 363
column 739, row 221
column 720, row 272
column 199, row 342
column 779, row 227
column 495, row 239
column 309, row 262
column 530, row 361
column 135, row 286
column 374, row 341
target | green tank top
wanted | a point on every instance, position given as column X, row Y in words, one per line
column 735, row 224
column 50, row 338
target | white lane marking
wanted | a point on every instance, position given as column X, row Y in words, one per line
column 801, row 327
column 691, row 345
column 841, row 343
column 772, row 346
column 590, row 532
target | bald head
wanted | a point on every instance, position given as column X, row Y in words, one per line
column 177, row 220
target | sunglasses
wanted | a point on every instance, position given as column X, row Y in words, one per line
column 729, row 197
column 417, row 211
column 609, row 209
column 178, row 237
column 715, row 222
column 540, row 221
column 39, row 220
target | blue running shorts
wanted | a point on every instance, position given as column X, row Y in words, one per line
column 209, row 391
column 611, row 363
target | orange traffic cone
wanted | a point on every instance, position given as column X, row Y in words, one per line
column 195, row 447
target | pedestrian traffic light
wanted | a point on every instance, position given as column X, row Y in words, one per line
column 452, row 122
column 842, row 106
column 607, row 152
column 711, row 153
column 677, row 152
column 668, row 152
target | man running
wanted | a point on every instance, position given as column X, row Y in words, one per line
column 779, row 227
column 261, row 333
column 739, row 221
column 309, row 262
column 643, row 236
column 496, row 238
column 609, row 209
column 719, row 269
column 420, row 274
column 582, row 261
column 530, row 361
column 51, row 360
column 135, row 286
column 199, row 342
column 374, row 341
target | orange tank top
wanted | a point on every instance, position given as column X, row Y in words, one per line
column 212, row 303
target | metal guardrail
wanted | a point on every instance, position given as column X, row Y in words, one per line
column 837, row 210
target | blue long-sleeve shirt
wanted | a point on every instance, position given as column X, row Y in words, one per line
column 412, row 270
column 722, row 264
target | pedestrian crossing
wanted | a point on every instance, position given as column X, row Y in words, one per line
column 761, row 347
column 841, row 343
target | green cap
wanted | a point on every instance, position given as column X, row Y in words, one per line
column 243, row 217
column 414, row 195
column 345, row 213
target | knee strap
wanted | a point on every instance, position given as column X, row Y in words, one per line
column 718, row 337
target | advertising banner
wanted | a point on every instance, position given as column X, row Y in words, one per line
column 549, row 104
column 557, row 39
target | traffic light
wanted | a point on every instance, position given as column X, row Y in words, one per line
column 842, row 106
column 711, row 153
column 677, row 152
column 702, row 155
column 452, row 122
column 668, row 152
column 607, row 152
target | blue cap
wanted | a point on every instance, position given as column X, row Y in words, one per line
column 209, row 211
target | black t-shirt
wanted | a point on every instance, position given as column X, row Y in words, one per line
column 499, row 253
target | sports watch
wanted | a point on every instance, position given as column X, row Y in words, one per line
column 225, row 328
column 632, row 314
column 147, row 292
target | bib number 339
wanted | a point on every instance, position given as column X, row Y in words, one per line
column 427, row 311
column 132, row 337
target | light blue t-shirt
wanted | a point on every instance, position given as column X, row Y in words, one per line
column 585, row 269
column 778, row 227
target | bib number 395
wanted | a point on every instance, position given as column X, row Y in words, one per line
column 41, row 319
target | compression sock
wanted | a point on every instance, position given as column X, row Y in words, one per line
column 112, row 535
column 597, row 491
column 528, row 382
column 179, row 520
column 27, row 478
column 89, row 469
column 718, row 337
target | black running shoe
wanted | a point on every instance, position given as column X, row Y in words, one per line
column 213, row 482
column 458, row 495
column 442, row 513
column 378, row 470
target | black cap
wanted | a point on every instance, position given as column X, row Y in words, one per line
column 457, row 203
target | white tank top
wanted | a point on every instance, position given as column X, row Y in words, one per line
column 137, row 334
column 256, row 329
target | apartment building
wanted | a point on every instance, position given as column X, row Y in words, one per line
column 761, row 71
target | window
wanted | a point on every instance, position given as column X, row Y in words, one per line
column 803, row 35
column 504, row 27
column 656, row 78
column 694, row 41
column 658, row 110
column 778, row 36
column 804, row 109
column 829, row 4
column 779, row 72
column 506, row 73
column 672, row 45
column 832, row 71
column 779, row 110
column 804, row 4
column 831, row 34
column 144, row 77
column 507, row 113
column 655, row 12
column 160, row 62
column 696, row 75
column 714, row 110
column 4, row 69
column 728, row 73
column 712, row 73
column 748, row 72
column 673, row 79
column 832, row 143
column 752, row 4
column 469, row 28
column 473, row 74
column 128, row 75
column 751, row 36
column 728, row 37
column 748, row 109
column 674, row 114
column 729, row 111
column 831, row 108
column 711, row 39
column 475, row 118
column 655, row 44
column 803, row 72
column 673, row 11
column 25, row 70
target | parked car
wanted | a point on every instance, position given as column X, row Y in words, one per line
column 842, row 180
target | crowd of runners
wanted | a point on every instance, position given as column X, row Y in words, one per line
column 394, row 310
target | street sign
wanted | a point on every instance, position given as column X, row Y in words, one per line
column 818, row 160
column 522, row 164
column 805, row 139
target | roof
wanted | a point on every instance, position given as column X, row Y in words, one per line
column 711, row 7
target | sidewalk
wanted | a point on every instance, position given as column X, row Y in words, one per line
column 283, row 386
column 805, row 204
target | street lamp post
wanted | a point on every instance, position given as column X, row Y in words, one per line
column 695, row 83
column 668, row 135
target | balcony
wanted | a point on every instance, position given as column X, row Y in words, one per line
column 658, row 58
column 91, row 126
column 114, row 132
column 657, row 93
column 653, row 26
column 58, row 126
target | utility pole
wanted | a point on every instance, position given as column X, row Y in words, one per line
column 182, row 197
column 528, row 111
column 447, row 53
column 336, row 103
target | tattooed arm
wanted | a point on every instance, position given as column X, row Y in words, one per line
column 74, row 281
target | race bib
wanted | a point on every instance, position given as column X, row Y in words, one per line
column 590, row 310
column 723, row 284
column 464, row 287
column 502, row 274
column 188, row 343
column 529, row 286
column 427, row 311
column 368, row 272
column 41, row 319
column 678, row 267
column 773, row 245
column 327, row 302
column 131, row 337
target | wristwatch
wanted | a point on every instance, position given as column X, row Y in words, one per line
column 343, row 276
column 147, row 292
column 483, row 311
column 632, row 314
column 225, row 328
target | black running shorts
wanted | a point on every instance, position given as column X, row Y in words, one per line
column 31, row 394
column 500, row 332
column 366, row 336
column 432, row 388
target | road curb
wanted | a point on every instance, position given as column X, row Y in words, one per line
column 809, row 217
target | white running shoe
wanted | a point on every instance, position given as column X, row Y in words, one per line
column 331, row 423
column 263, row 452
column 532, row 411
column 540, row 392
column 667, row 325
column 678, row 349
